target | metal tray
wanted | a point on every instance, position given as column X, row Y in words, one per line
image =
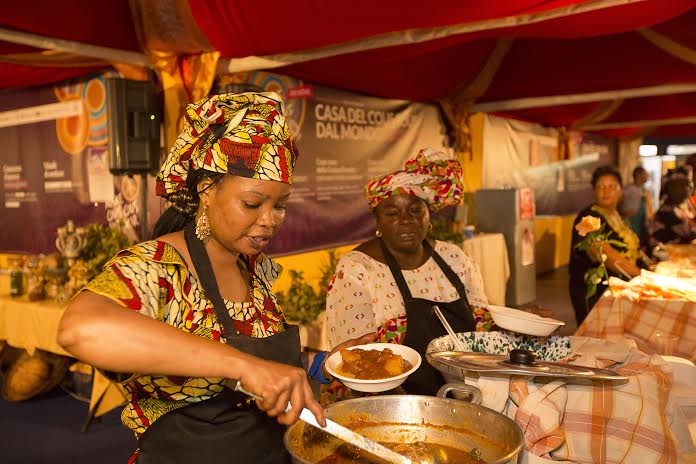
column 456, row 363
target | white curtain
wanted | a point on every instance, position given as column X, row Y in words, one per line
column 511, row 146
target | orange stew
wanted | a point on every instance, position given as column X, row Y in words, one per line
column 417, row 452
column 372, row 364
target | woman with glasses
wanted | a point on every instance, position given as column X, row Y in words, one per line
column 620, row 256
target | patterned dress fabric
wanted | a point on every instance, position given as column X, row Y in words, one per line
column 153, row 279
column 673, row 224
column 244, row 134
column 580, row 261
column 363, row 297
column 432, row 176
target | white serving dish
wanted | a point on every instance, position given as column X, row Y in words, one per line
column 523, row 322
column 376, row 385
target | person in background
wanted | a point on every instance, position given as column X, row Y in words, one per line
column 389, row 284
column 636, row 205
column 691, row 163
column 189, row 314
column 621, row 258
column 675, row 220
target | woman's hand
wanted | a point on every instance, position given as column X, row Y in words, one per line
column 362, row 340
column 277, row 384
column 616, row 262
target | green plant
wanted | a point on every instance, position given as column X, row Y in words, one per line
column 442, row 230
column 301, row 303
column 101, row 244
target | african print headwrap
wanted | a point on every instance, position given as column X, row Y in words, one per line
column 244, row 134
column 432, row 176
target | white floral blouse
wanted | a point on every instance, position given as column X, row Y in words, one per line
column 363, row 296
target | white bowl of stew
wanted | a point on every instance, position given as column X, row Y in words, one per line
column 374, row 385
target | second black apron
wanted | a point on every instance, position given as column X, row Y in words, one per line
column 423, row 325
column 216, row 430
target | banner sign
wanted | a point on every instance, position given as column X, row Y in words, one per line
column 344, row 140
column 54, row 166
column 520, row 154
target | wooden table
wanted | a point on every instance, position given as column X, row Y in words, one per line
column 33, row 325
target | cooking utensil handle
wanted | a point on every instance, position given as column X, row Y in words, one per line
column 343, row 433
column 475, row 393
column 457, row 343
column 355, row 439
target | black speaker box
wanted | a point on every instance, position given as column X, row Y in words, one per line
column 134, row 114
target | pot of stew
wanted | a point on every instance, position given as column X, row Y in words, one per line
column 423, row 428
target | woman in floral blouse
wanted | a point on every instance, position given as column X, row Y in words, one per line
column 390, row 283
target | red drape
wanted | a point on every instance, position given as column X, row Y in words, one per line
column 16, row 76
column 595, row 51
column 106, row 23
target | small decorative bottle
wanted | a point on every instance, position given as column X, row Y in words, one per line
column 16, row 278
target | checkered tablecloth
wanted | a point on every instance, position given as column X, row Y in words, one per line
column 616, row 317
column 599, row 422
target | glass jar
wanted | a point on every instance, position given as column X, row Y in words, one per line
column 16, row 278
column 35, row 286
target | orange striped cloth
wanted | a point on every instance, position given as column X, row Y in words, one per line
column 602, row 422
column 618, row 317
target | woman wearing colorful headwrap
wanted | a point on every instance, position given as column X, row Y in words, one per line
column 199, row 306
column 389, row 284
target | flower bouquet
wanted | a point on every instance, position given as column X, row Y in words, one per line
column 596, row 235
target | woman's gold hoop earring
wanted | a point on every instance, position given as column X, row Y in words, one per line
column 430, row 227
column 378, row 233
column 203, row 225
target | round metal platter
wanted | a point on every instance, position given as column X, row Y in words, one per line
column 455, row 362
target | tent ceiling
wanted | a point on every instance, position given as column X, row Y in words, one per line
column 106, row 23
column 424, row 51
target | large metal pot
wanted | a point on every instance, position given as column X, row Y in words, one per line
column 409, row 419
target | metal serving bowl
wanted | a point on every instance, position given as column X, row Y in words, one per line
column 408, row 419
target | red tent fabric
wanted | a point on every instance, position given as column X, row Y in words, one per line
column 238, row 29
column 576, row 51
column 432, row 70
column 594, row 51
column 106, row 24
column 16, row 76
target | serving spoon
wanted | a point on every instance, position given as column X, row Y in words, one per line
column 343, row 433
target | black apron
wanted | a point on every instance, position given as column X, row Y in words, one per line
column 224, row 428
column 423, row 324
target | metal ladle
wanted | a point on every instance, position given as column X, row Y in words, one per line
column 343, row 433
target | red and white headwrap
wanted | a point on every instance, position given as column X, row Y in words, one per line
column 432, row 176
